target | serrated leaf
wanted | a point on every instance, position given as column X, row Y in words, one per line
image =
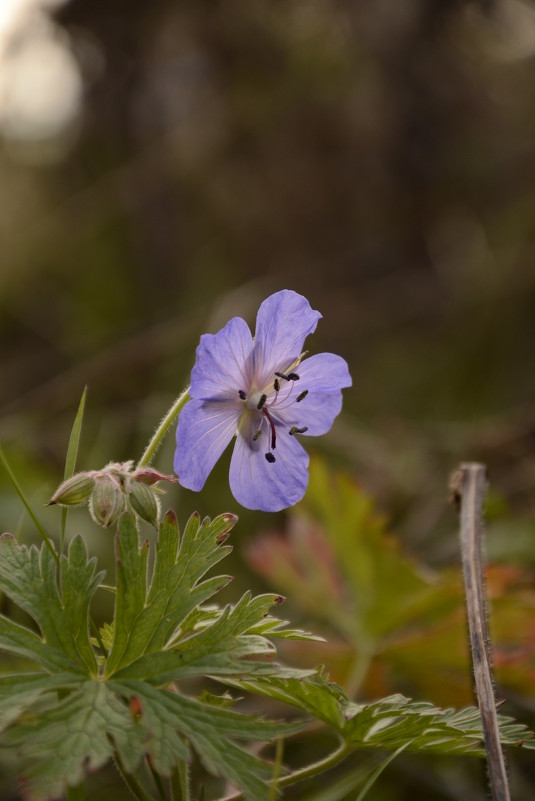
column 396, row 721
column 19, row 692
column 391, row 722
column 17, row 639
column 222, row 648
column 77, row 734
column 173, row 633
column 170, row 718
column 29, row 577
column 274, row 627
column 144, row 623
column 314, row 695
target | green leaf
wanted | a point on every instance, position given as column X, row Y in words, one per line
column 314, row 695
column 222, row 648
column 77, row 734
column 396, row 721
column 389, row 723
column 17, row 639
column 170, row 719
column 19, row 692
column 144, row 623
column 160, row 631
column 28, row 577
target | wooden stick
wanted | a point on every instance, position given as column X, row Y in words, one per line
column 468, row 485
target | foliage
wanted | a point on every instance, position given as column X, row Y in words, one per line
column 123, row 702
column 120, row 695
column 392, row 722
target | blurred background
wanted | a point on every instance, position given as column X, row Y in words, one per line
column 166, row 165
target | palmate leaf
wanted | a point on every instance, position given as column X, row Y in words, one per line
column 170, row 718
column 145, row 621
column 19, row 693
column 391, row 722
column 80, row 732
column 28, row 576
column 149, row 642
column 161, row 632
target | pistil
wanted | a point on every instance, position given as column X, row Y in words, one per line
column 272, row 424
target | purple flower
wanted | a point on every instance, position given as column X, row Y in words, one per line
column 262, row 392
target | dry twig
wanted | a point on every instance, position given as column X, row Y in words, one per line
column 468, row 484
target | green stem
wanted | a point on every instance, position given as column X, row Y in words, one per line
column 180, row 782
column 158, row 782
column 135, row 787
column 76, row 793
column 279, row 751
column 316, row 768
column 158, row 436
column 21, row 495
column 307, row 772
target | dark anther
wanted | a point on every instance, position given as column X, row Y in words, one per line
column 302, row 395
column 270, row 458
column 242, row 394
column 263, row 399
column 294, row 430
column 288, row 376
column 257, row 435
column 276, row 385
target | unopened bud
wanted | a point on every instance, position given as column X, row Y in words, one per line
column 144, row 502
column 75, row 491
column 107, row 500
column 147, row 475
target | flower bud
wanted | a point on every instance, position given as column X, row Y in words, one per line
column 147, row 475
column 144, row 502
column 107, row 500
column 75, row 491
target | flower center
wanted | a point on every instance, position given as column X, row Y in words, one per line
column 269, row 406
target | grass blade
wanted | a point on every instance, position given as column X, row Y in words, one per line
column 377, row 772
column 29, row 509
column 70, row 459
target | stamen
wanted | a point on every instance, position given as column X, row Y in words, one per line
column 242, row 394
column 257, row 434
column 276, row 385
column 288, row 377
column 301, row 396
column 270, row 458
column 263, row 399
column 294, row 430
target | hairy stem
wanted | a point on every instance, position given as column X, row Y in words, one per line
column 180, row 788
column 158, row 782
column 468, row 485
column 167, row 421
